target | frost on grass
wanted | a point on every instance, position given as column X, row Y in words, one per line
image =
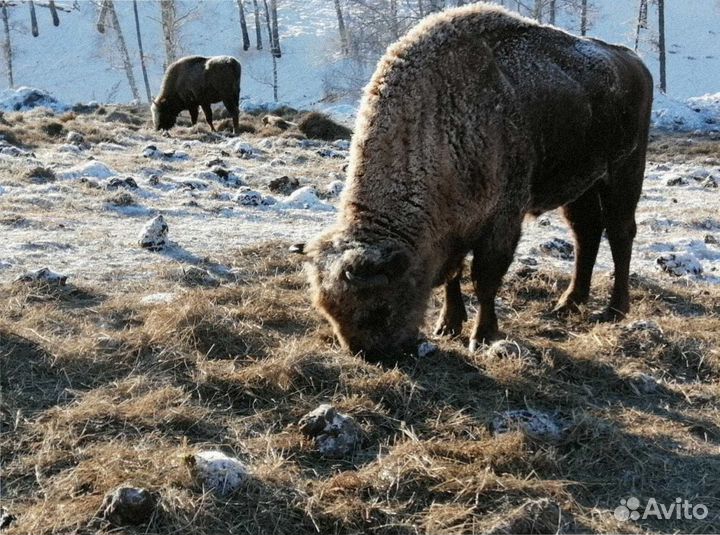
column 335, row 434
column 92, row 169
column 533, row 423
column 425, row 349
column 557, row 248
column 305, row 198
column 507, row 349
column 154, row 234
column 218, row 472
column 334, row 189
column 153, row 152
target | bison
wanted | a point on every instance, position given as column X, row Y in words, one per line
column 195, row 81
column 473, row 120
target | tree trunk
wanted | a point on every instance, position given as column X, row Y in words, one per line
column 123, row 50
column 395, row 27
column 142, row 54
column 169, row 15
column 583, row 17
column 258, row 28
column 7, row 47
column 552, row 11
column 54, row 13
column 33, row 19
column 275, row 31
column 102, row 16
column 538, row 10
column 661, row 45
column 275, row 79
column 243, row 26
column 344, row 46
column 641, row 22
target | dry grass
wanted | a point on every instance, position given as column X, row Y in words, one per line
column 99, row 389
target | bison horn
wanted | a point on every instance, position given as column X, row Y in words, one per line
column 370, row 281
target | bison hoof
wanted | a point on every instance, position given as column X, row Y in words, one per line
column 564, row 309
column 446, row 329
column 611, row 315
column 485, row 338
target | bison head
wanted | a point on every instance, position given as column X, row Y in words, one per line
column 162, row 115
column 370, row 293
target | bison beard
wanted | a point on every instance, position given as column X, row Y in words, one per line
column 474, row 119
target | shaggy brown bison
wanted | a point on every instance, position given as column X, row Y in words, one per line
column 195, row 81
column 474, row 119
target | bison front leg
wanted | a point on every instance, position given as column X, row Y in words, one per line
column 491, row 260
column 207, row 110
column 453, row 313
column 193, row 114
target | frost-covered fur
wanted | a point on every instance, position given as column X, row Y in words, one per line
column 197, row 81
column 474, row 119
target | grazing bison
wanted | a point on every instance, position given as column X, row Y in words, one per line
column 198, row 81
column 474, row 119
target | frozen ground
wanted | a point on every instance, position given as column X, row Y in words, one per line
column 214, row 195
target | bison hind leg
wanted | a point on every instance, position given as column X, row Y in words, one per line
column 584, row 215
column 234, row 110
column 207, row 110
column 193, row 114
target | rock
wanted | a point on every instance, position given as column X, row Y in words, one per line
column 710, row 183
column 335, row 434
column 220, row 171
column 195, row 276
column 248, row 197
column 330, row 153
column 116, row 183
column 154, row 235
column 284, row 185
column 558, row 248
column 676, row 181
column 678, row 265
column 334, row 189
column 44, row 276
column 122, row 198
column 74, row 138
column 711, row 240
column 535, row 424
column 425, row 349
column 644, row 326
column 342, row 144
column 128, row 506
column 277, row 162
column 6, row 518
column 507, row 349
column 277, row 122
column 151, row 151
column 216, row 471
column 644, row 383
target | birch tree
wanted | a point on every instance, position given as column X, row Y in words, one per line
column 243, row 26
column 7, row 46
column 140, row 50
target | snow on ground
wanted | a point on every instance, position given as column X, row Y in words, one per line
column 86, row 224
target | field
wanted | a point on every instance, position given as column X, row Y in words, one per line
column 145, row 358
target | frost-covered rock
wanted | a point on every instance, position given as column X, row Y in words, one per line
column 91, row 169
column 695, row 114
column 115, row 183
column 249, row 197
column 128, row 506
column 677, row 264
column 644, row 326
column 335, row 434
column 507, row 349
column 243, row 149
column 8, row 149
column 334, row 189
column 219, row 472
column 284, row 185
column 425, row 349
column 711, row 240
column 557, row 248
column 277, row 162
column 154, row 235
column 44, row 276
column 342, row 144
column 151, row 151
column 710, row 182
column 305, row 198
column 330, row 153
column 158, row 298
column 535, row 424
column 6, row 518
column 644, row 383
column 27, row 98
column 676, row 181
column 74, row 138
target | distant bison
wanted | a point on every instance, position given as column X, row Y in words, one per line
column 474, row 119
column 198, row 81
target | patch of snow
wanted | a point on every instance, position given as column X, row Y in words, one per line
column 305, row 198
column 26, row 98
column 91, row 169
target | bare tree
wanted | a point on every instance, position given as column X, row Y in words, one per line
column 344, row 45
column 33, row 19
column 583, row 17
column 54, row 13
column 7, row 46
column 243, row 26
column 140, row 49
column 276, row 52
column 661, row 44
column 168, row 15
column 642, row 21
column 108, row 9
column 258, row 29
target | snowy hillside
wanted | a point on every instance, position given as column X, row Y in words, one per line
column 77, row 64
